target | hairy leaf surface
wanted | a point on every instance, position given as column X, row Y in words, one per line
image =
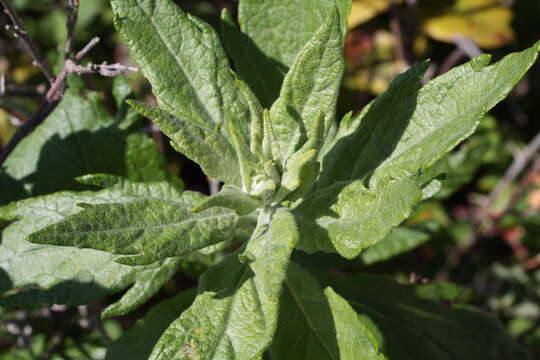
column 183, row 59
column 151, row 228
column 348, row 217
column 235, row 313
column 45, row 274
column 406, row 130
column 147, row 283
column 310, row 89
column 208, row 148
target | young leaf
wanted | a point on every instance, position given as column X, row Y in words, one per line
column 417, row 321
column 62, row 275
column 275, row 29
column 78, row 138
column 348, row 217
column 310, row 88
column 138, row 341
column 182, row 58
column 211, row 150
column 150, row 228
column 235, row 313
column 317, row 325
column 147, row 283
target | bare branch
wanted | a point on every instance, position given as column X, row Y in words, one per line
column 73, row 11
column 519, row 164
column 87, row 48
column 21, row 33
column 468, row 46
column 44, row 110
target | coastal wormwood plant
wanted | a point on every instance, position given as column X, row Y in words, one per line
column 255, row 107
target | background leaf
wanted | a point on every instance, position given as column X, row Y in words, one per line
column 416, row 322
column 78, row 138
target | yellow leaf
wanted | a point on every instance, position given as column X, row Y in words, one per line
column 6, row 128
column 486, row 22
column 364, row 10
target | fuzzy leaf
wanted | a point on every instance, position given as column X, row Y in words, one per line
column 421, row 322
column 405, row 137
column 389, row 113
column 78, row 138
column 211, row 150
column 276, row 30
column 183, row 59
column 310, row 88
column 138, row 341
column 235, row 314
column 44, row 274
column 348, row 217
column 317, row 325
column 150, row 228
column 147, row 284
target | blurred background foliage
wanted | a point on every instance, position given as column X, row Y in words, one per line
column 481, row 231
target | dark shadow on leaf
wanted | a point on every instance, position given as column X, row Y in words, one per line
column 420, row 320
column 65, row 293
column 61, row 160
column 304, row 315
column 263, row 74
column 225, row 278
column 357, row 155
column 5, row 282
column 137, row 343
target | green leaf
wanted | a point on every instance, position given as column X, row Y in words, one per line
column 147, row 284
column 310, row 88
column 317, row 325
column 211, row 150
column 348, row 217
column 151, row 228
column 78, row 138
column 138, row 341
column 459, row 167
column 405, row 137
column 32, row 274
column 250, row 61
column 418, row 322
column 400, row 241
column 235, row 313
column 389, row 113
column 394, row 141
column 182, row 58
column 275, row 28
column 230, row 198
